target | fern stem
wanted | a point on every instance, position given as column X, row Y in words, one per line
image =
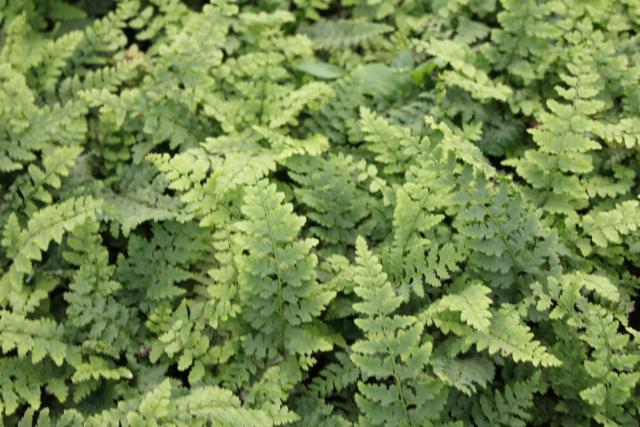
column 278, row 278
column 396, row 379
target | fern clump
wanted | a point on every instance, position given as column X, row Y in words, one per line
column 314, row 212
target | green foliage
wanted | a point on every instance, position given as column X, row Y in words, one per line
column 39, row 338
column 313, row 212
column 472, row 303
column 392, row 351
column 326, row 187
column 100, row 321
column 464, row 73
column 606, row 227
column 343, row 34
column 279, row 294
column 512, row 338
column 508, row 407
column 467, row 374
column 24, row 246
column 154, row 267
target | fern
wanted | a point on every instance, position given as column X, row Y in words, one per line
column 99, row 321
column 471, row 303
column 308, row 212
column 391, row 350
column 155, row 267
column 465, row 74
column 415, row 248
column 25, row 245
column 16, row 113
column 279, row 293
column 97, row 368
column 41, row 182
column 269, row 393
column 140, row 198
column 612, row 369
column 343, row 34
column 167, row 405
column 509, row 407
column 606, row 227
column 524, row 42
column 37, row 337
column 506, row 243
column 326, row 187
column 23, row 382
column 510, row 336
column 186, row 338
column 563, row 140
column 467, row 374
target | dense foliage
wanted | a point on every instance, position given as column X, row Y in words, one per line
column 319, row 212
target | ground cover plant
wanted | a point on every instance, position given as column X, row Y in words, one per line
column 319, row 213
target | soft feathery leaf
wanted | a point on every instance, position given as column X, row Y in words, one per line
column 341, row 34
column 277, row 279
column 510, row 336
column 471, row 302
column 465, row 374
column 391, row 350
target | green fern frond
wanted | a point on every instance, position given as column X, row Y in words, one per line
column 279, row 292
column 343, row 34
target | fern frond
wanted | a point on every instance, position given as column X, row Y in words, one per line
column 278, row 286
column 509, row 335
column 466, row 374
column 509, row 407
column 156, row 266
column 606, row 227
column 471, row 302
column 392, row 350
column 343, row 34
column 26, row 245
column 23, row 382
column 98, row 320
column 38, row 337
